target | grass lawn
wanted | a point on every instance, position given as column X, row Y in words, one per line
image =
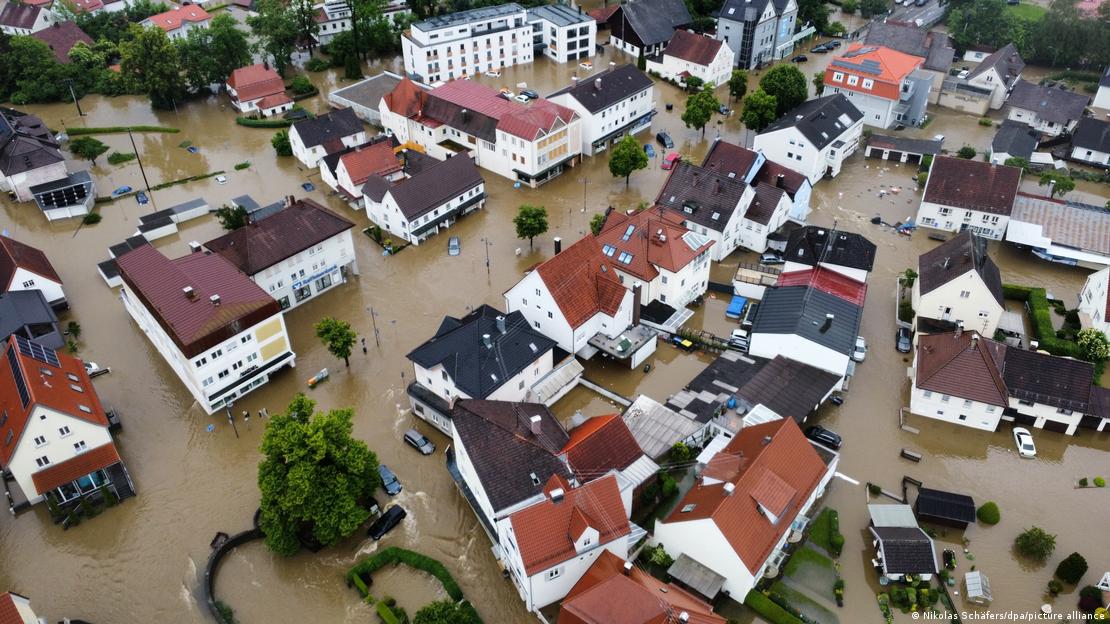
column 820, row 530
column 808, row 607
column 1026, row 11
column 809, row 570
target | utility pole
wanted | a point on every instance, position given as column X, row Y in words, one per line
column 231, row 420
column 69, row 83
column 486, row 241
column 374, row 320
column 142, row 170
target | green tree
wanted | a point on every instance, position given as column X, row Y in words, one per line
column 816, row 12
column 1035, row 543
column 988, row 513
column 980, row 22
column 627, row 157
column 597, row 222
column 316, row 480
column 281, row 143
column 641, row 61
column 836, row 29
column 227, row 47
column 966, row 152
column 530, row 222
column 445, row 612
column 700, row 107
column 818, row 82
column 303, row 14
column 232, row 217
column 1094, row 344
column 1072, row 568
column 275, row 31
column 693, row 83
column 149, row 64
column 759, row 110
column 301, row 85
column 1059, row 183
column 87, row 147
column 738, row 84
column 870, row 8
column 787, row 84
column 1017, row 161
column 337, row 336
column 849, row 6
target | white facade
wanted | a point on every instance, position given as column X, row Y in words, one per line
column 310, row 272
column 1093, row 157
column 877, row 111
column 1044, row 126
column 465, row 44
column 310, row 156
column 55, row 437
column 563, row 42
column 965, row 299
column 515, row 389
column 675, row 289
column 21, row 183
column 43, row 20
column 533, row 299
column 993, row 82
column 952, row 219
column 790, row 146
column 859, row 275
column 52, row 291
column 800, row 349
column 1093, row 302
column 630, row 115
column 974, row 414
column 1102, row 96
column 388, row 215
column 718, row 71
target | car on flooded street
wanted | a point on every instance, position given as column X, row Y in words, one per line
column 390, row 483
column 859, row 353
column 903, row 340
column 823, row 436
column 670, row 161
column 418, row 441
column 801, row 58
column 665, row 140
column 820, row 49
column 386, row 522
column 649, row 149
column 1024, row 442
column 770, row 258
column 454, row 248
column 142, row 198
column 221, row 179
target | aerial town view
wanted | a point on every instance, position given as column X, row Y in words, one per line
column 568, row 311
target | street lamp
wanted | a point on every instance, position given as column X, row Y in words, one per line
column 487, row 244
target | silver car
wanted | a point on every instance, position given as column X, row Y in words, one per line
column 418, row 441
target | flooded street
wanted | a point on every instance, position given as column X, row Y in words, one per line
column 142, row 561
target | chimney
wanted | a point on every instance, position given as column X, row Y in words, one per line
column 486, row 341
column 636, row 305
column 558, row 245
column 974, row 340
column 729, row 489
column 501, row 323
column 828, row 322
column 683, row 617
column 627, row 567
column 557, row 495
column 766, row 440
column 580, row 9
column 780, row 181
column 716, row 186
column 189, row 292
column 194, row 247
column 465, row 114
column 959, row 328
column 534, row 424
column 597, row 84
column 215, row 299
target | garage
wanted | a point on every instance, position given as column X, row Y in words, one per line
column 1024, row 419
column 901, row 149
column 1055, row 425
column 1090, row 422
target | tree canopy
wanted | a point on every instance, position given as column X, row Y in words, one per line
column 281, row 143
column 1036, row 543
column 738, row 84
column 1061, row 37
column 209, row 55
column 597, row 222
column 530, row 222
column 759, row 110
column 627, row 156
column 816, row 12
column 700, row 107
column 87, row 147
column 231, row 217
column 787, row 84
column 1094, row 344
column 149, row 63
column 1061, row 183
column 337, row 336
column 870, row 8
column 445, row 612
column 275, row 31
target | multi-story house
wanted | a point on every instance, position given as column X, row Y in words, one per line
column 56, row 443
column 1013, row 140
column 692, row 55
column 29, row 154
column 844, row 252
column 467, row 43
column 529, row 143
column 346, row 172
column 887, row 86
column 178, row 22
column 221, row 333
column 1094, row 301
column 23, row 267
column 759, row 31
column 611, row 104
column 562, row 33
column 258, row 88
column 958, row 285
column 969, row 195
column 643, row 27
column 754, row 168
column 931, row 45
column 998, row 73
column 1048, row 110
column 25, row 313
column 313, row 139
column 293, row 254
column 815, row 138
column 19, row 18
column 1090, row 142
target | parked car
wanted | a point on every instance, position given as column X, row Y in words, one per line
column 389, row 480
column 749, row 316
column 770, row 258
column 671, row 160
column 820, row 49
column 665, row 140
column 738, row 334
column 142, row 198
column 837, row 399
column 493, row 73
column 921, row 3
column 586, row 65
column 649, row 149
column 834, row 44
column 724, row 110
column 453, row 246
column 824, row 436
column 1024, row 442
column 418, row 441
column 859, row 354
column 801, row 58
column 530, row 93
column 221, row 179
column 386, row 522
column 903, row 340
column 523, row 99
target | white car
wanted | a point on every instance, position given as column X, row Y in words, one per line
column 221, row 179
column 860, row 352
column 493, row 73
column 523, row 99
column 1024, row 441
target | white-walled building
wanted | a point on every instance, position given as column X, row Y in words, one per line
column 719, row 206
column 889, row 87
column 18, row 18
column 346, row 172
column 1094, row 301
column 312, row 139
column 844, row 252
column 973, row 195
column 690, row 54
column 1102, row 96
column 645, row 26
column 1067, row 232
column 23, row 267
column 1090, row 142
column 178, row 22
column 815, row 138
column 29, row 154
column 221, row 333
column 16, row 609
column 754, row 168
column 998, row 73
column 467, row 43
column 294, row 254
column 1048, row 110
column 258, row 88
column 564, row 34
column 611, row 104
column 958, row 283
column 758, row 32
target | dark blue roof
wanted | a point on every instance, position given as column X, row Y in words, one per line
column 802, row 310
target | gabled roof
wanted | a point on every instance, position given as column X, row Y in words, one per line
column 906, row 550
column 698, row 193
column 479, row 110
column 273, row 101
column 803, row 311
column 692, row 47
column 774, row 174
column 905, row 37
column 821, row 121
column 262, row 244
column 962, row 365
column 744, row 10
column 1016, row 139
column 778, row 468
column 954, row 258
column 25, row 141
column 406, row 99
column 1006, row 61
column 327, row 127
column 654, row 21
column 1049, row 103
column 175, row 18
column 543, row 531
column 56, row 475
column 20, row 308
column 616, row 84
column 1057, row 381
column 19, row 15
column 972, row 185
column 16, row 255
column 61, row 37
column 582, row 282
column 765, row 203
column 475, row 369
column 945, row 505
column 10, row 612
column 654, row 238
column 828, row 281
column 887, row 67
column 1092, row 134
column 255, row 82
column 601, row 444
column 730, row 159
column 811, row 245
column 788, row 387
column 431, row 187
column 374, row 159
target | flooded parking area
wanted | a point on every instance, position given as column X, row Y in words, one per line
column 141, row 561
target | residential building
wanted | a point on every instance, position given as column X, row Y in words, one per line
column 482, row 355
column 615, row 591
column 25, row 313
column 815, row 138
column 294, row 254
column 645, row 26
column 547, row 547
column 365, row 96
column 731, row 528
column 529, row 143
column 844, row 252
column 18, row 18
column 257, row 88
column 347, row 171
column 29, row 154
column 603, row 445
column 958, row 283
column 998, row 73
column 612, row 103
column 906, row 37
column 754, row 168
column 92, row 7
column 178, row 22
column 887, row 86
column 1090, row 142
column 467, row 43
column 902, row 548
column 564, row 34
column 969, row 195
column 1094, row 301
column 312, row 139
column 57, row 446
column 61, row 37
column 23, row 267
column 221, row 333
column 334, row 17
column 689, row 54
column 72, row 195
column 1013, row 140
column 16, row 609
column 901, row 149
column 1102, row 96
column 758, row 32
column 1049, row 110
column 421, row 202
column 1067, row 232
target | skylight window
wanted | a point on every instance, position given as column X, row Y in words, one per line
column 688, row 508
column 716, row 215
column 608, row 250
column 628, row 232
column 625, row 257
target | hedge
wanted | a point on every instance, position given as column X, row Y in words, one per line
column 768, row 610
column 118, row 129
column 263, row 123
column 386, row 614
column 410, row 558
column 184, row 180
column 1041, row 318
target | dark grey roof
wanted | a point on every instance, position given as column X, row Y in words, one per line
column 697, row 193
column 558, row 14
column 368, row 92
column 246, row 202
column 475, row 369
column 821, row 120
column 810, row 245
column 334, row 125
column 905, row 144
column 504, row 451
column 908, row 38
column 943, row 505
column 21, row 308
column 766, row 201
column 954, row 258
column 1006, row 61
column 25, row 141
column 1060, row 382
column 1048, row 103
column 1016, row 139
column 743, row 10
column 74, row 189
column 432, row 187
column 615, row 84
column 906, row 550
column 728, row 373
column 802, row 310
column 1092, row 134
column 458, row 18
column 655, row 20
column 467, row 121
column 789, row 388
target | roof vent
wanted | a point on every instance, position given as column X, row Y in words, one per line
column 766, row 440
column 189, row 292
column 465, row 114
column 828, row 323
column 194, row 247
column 729, row 489
column 500, row 320
column 215, row 299
column 684, row 617
column 557, row 495
column 627, row 567
column 597, row 84
column 486, row 341
column 535, row 423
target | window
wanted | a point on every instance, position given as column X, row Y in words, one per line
column 223, row 373
column 689, row 508
column 84, row 408
column 63, row 431
column 302, row 293
column 608, row 250
column 990, row 409
column 838, row 77
column 853, row 81
column 42, row 461
column 443, row 373
column 944, row 398
column 30, row 283
column 520, row 386
column 40, row 441
column 967, row 404
column 323, row 282
column 963, row 417
column 549, row 315
column 964, row 294
column 1065, row 412
column 868, row 83
column 928, row 393
column 80, row 446
column 625, row 257
column 554, row 573
column 664, row 279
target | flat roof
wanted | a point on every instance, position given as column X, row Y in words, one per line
column 465, row 17
column 559, row 14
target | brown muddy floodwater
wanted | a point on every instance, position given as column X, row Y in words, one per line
column 141, row 561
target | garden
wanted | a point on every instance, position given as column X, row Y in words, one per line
column 455, row 610
column 1057, row 330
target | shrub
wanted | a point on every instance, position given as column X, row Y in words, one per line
column 874, row 489
column 1055, row 587
column 263, row 123
column 224, row 613
column 768, row 610
column 317, row 64
column 118, row 130
column 1090, row 598
column 837, row 543
column 660, row 557
column 243, row 165
column 301, row 85
column 680, row 452
column 669, row 487
column 988, row 513
column 118, row 158
column 905, row 311
column 1083, row 482
column 986, row 122
column 966, row 152
column 1100, row 482
column 386, row 613
column 412, row 559
column 91, row 218
column 1035, row 543
column 1072, row 568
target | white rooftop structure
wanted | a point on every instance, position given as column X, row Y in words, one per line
column 892, row 516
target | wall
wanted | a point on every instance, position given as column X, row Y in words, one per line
column 26, row 280
column 57, row 448
column 703, row 542
column 877, row 112
column 984, row 224
column 536, row 308
column 1040, row 125
column 1091, row 156
column 470, row 476
column 1047, row 413
column 425, row 53
column 21, row 183
column 978, row 311
column 1093, row 300
column 608, row 120
column 560, row 40
column 798, row 348
column 718, row 71
column 954, row 410
column 991, row 80
column 310, row 266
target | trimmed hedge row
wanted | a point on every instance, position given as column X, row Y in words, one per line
column 768, row 610
column 386, row 614
column 263, row 123
column 410, row 558
column 118, row 129
column 1041, row 318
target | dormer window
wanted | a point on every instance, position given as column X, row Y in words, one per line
column 688, row 508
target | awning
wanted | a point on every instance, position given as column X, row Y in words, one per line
column 551, row 384
column 696, row 576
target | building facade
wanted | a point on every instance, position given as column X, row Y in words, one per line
column 886, row 85
column 563, row 34
column 23, row 267
column 969, row 195
column 313, row 139
column 1048, row 110
column 257, row 88
column 958, row 283
column 1094, row 301
column 611, row 104
column 467, row 43
column 815, row 138
column 1090, row 142
column 758, row 32
column 691, row 55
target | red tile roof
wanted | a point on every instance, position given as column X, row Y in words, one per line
column 255, row 82
column 779, row 468
column 697, row 49
column 88, row 6
column 8, row 612
column 972, row 185
column 173, row 19
column 406, row 99
column 377, row 159
column 962, row 367
column 893, row 67
column 829, row 281
column 91, row 460
column 531, row 121
column 47, row 385
column 273, row 101
column 582, row 282
column 15, row 255
column 195, row 324
column 603, row 14
column 61, row 37
column 543, row 531
column 600, row 444
column 649, row 251
column 525, row 121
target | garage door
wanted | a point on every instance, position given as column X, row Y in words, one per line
column 1023, row 419
column 1090, row 422
column 1055, row 425
column 913, row 159
column 895, row 156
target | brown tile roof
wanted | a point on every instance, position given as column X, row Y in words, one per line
column 487, row 111
column 266, row 242
column 91, row 460
column 954, row 258
column 966, row 366
column 1048, row 379
column 766, row 200
column 406, row 99
column 255, row 82
column 18, row 15
column 582, row 282
column 61, row 37
column 15, row 255
column 601, row 444
column 730, row 159
column 829, row 281
column 543, row 530
column 195, row 324
column 272, row 101
column 972, row 185
column 375, row 159
column 671, row 252
column 603, row 14
column 778, row 464
column 697, row 49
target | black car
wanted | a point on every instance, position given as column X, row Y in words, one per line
column 903, row 340
column 530, row 93
column 385, row 523
column 821, row 435
column 820, row 49
column 834, row 44
column 665, row 140
column 801, row 58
